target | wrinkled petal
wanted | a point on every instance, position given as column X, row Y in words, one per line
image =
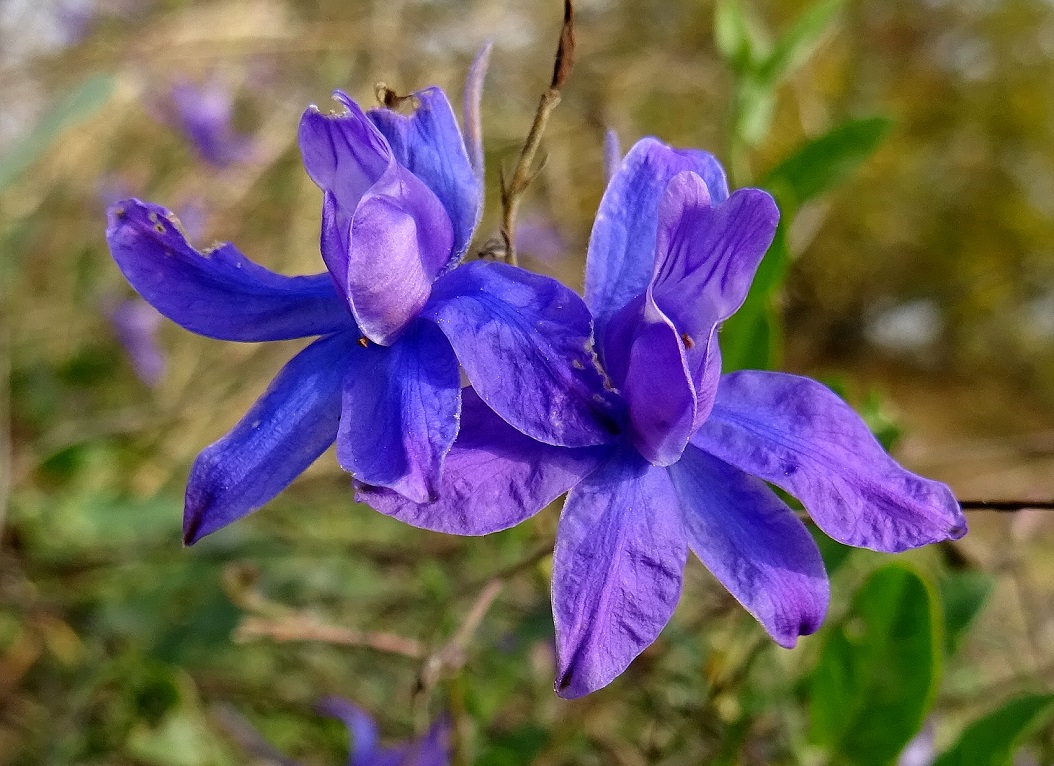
column 494, row 477
column 344, row 153
column 646, row 361
column 399, row 242
column 798, row 435
column 470, row 107
column 220, row 294
column 429, row 144
column 706, row 258
column 754, row 544
column 622, row 246
column 617, row 569
column 524, row 342
column 293, row 423
column 400, row 412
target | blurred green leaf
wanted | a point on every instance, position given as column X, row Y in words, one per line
column 182, row 739
column 521, row 745
column 81, row 103
column 992, row 740
column 878, row 669
column 963, row 595
column 752, row 339
column 833, row 552
column 739, row 38
column 824, row 162
column 800, row 41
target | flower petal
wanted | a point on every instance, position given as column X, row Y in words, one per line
column 706, row 258
column 494, row 477
column 344, row 153
column 646, row 361
column 754, row 544
column 617, row 569
column 524, row 342
column 293, row 423
column 399, row 241
column 622, row 245
column 220, row 294
column 429, row 144
column 400, row 412
column 612, row 154
column 365, row 739
column 470, row 107
column 797, row 434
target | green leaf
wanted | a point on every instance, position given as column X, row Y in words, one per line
column 992, row 740
column 833, row 552
column 800, row 41
column 963, row 595
column 752, row 338
column 878, row 669
column 740, row 39
column 825, row 162
column 83, row 102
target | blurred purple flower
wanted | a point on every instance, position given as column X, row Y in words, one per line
column 672, row 256
column 921, row 750
column 204, row 114
column 396, row 314
column 433, row 749
column 136, row 324
column 75, row 19
column 538, row 238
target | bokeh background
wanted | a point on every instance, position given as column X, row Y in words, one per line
column 921, row 286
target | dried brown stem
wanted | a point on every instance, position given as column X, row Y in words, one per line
column 513, row 190
column 452, row 655
column 1006, row 506
column 302, row 627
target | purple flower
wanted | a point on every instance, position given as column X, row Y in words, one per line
column 672, row 255
column 136, row 323
column 205, row 114
column 433, row 749
column 395, row 317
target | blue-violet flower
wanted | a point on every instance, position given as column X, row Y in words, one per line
column 402, row 198
column 671, row 256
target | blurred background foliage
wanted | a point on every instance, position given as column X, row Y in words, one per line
column 910, row 147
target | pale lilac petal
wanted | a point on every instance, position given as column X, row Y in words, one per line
column 622, row 246
column 344, row 153
column 706, row 258
column 219, row 293
column 646, row 362
column 798, row 435
column 136, row 323
column 428, row 142
column 612, row 154
column 493, row 478
column 470, row 107
column 205, row 115
column 754, row 544
column 617, row 569
column 293, row 423
column 524, row 342
column 400, row 412
column 399, row 242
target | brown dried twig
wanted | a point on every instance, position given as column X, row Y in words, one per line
column 513, row 190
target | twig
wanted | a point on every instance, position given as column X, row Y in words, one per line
column 302, row 627
column 246, row 736
column 454, row 653
column 512, row 191
column 1006, row 506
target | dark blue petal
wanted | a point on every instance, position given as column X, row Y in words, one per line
column 754, row 544
column 617, row 568
column 293, row 423
column 524, row 342
column 400, row 412
column 622, row 246
column 220, row 293
column 797, row 434
column 494, row 477
column 365, row 739
column 429, row 143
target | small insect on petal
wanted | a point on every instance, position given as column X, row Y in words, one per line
column 364, row 342
column 688, row 342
